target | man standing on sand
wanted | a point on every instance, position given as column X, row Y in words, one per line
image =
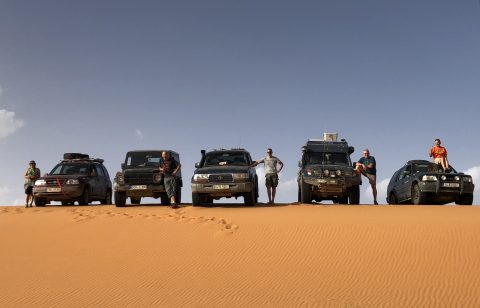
column 368, row 167
column 271, row 173
column 31, row 175
column 439, row 154
column 169, row 167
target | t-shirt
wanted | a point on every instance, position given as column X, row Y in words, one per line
column 270, row 164
column 32, row 172
column 168, row 165
column 438, row 152
column 367, row 161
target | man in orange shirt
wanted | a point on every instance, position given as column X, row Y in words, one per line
column 439, row 154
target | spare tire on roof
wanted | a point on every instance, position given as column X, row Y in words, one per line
column 75, row 156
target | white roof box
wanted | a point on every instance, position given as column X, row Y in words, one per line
column 330, row 137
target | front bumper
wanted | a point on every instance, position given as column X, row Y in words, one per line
column 66, row 193
column 439, row 190
column 150, row 190
column 216, row 189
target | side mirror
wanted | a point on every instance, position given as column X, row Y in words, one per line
column 197, row 165
column 351, row 150
column 123, row 165
column 300, row 164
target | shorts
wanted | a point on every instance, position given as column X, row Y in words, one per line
column 372, row 178
column 28, row 190
column 271, row 180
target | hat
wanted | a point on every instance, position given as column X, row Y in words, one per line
column 32, row 162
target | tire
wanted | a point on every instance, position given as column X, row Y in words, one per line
column 343, row 200
column 299, row 199
column 417, row 196
column 305, row 193
column 354, row 194
column 249, row 198
column 178, row 196
column 108, row 198
column 392, row 199
column 40, row 202
column 135, row 200
column 197, row 199
column 120, row 199
column 465, row 199
column 164, row 199
column 85, row 198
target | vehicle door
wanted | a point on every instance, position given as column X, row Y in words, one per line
column 403, row 183
column 100, row 181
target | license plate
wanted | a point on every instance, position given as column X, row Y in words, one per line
column 54, row 189
column 138, row 187
column 221, row 186
column 452, row 185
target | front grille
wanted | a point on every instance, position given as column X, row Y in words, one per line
column 53, row 182
column 138, row 178
column 221, row 178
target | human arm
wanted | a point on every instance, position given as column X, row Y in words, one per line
column 256, row 163
column 281, row 165
column 177, row 168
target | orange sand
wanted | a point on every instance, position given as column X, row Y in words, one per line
column 232, row 256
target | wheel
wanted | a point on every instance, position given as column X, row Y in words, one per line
column 85, row 198
column 164, row 199
column 354, row 194
column 417, row 196
column 178, row 197
column 465, row 199
column 196, row 199
column 305, row 193
column 108, row 198
column 120, row 199
column 135, row 200
column 249, row 198
column 299, row 199
column 392, row 199
column 40, row 202
column 343, row 200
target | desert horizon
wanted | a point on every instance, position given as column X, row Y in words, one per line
column 286, row 255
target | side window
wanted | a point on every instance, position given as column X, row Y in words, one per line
column 99, row 170
column 405, row 172
column 105, row 171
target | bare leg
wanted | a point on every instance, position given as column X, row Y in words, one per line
column 274, row 190
column 269, row 193
column 27, row 199
column 374, row 190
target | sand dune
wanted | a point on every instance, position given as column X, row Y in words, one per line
column 232, row 256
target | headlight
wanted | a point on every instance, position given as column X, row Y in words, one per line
column 443, row 177
column 457, row 178
column 240, row 176
column 200, row 177
column 326, row 172
column 72, row 182
column 309, row 171
column 467, row 179
column 429, row 178
column 40, row 183
column 157, row 177
column 119, row 178
column 339, row 172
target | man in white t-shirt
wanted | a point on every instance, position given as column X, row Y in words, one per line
column 271, row 173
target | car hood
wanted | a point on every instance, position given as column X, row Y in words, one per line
column 141, row 170
column 223, row 169
column 329, row 167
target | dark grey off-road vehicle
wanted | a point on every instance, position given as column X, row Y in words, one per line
column 326, row 172
column 77, row 178
column 141, row 177
column 224, row 173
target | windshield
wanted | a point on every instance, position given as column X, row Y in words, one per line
column 71, row 169
column 222, row 159
column 143, row 159
column 322, row 158
column 428, row 167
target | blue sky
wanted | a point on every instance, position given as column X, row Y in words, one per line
column 105, row 77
